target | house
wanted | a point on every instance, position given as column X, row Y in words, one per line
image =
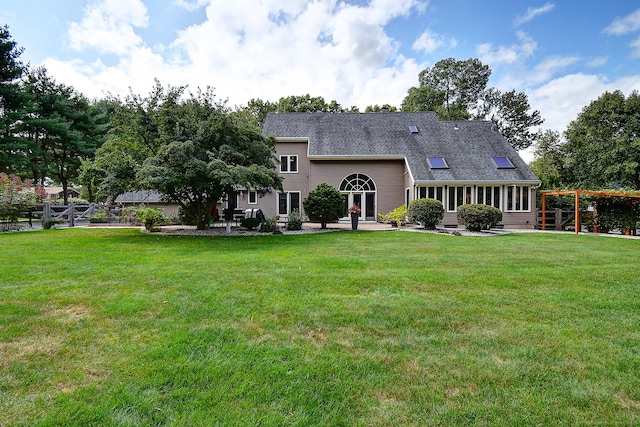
column 380, row 161
column 53, row 194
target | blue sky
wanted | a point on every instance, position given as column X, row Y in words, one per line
column 563, row 54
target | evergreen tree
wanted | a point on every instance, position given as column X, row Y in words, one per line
column 61, row 130
column 14, row 104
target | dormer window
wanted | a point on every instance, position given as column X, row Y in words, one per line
column 437, row 163
column 503, row 163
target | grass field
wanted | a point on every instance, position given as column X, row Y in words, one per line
column 118, row 327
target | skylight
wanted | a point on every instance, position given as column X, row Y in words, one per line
column 413, row 129
column 437, row 163
column 503, row 163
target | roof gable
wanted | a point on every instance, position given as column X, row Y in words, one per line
column 467, row 146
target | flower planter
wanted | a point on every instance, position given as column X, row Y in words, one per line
column 354, row 221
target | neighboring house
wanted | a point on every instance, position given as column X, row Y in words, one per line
column 57, row 193
column 380, row 161
column 151, row 199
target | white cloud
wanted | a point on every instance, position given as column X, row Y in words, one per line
column 531, row 13
column 429, row 42
column 251, row 49
column 337, row 50
column 108, row 26
column 628, row 24
column 191, row 5
column 550, row 67
column 598, row 62
column 562, row 99
column 507, row 54
column 636, row 48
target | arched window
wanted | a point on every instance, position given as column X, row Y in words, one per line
column 357, row 182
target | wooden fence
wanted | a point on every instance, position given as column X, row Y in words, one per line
column 66, row 213
column 558, row 219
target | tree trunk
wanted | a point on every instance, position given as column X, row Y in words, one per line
column 65, row 195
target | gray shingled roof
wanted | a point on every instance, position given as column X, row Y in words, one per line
column 467, row 146
column 139, row 197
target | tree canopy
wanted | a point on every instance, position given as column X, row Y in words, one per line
column 457, row 90
column 257, row 109
column 460, row 82
column 61, row 130
column 188, row 147
column 509, row 111
column 14, row 104
column 603, row 143
column 600, row 149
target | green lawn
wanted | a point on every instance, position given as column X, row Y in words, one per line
column 117, row 327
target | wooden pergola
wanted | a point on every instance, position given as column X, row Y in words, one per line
column 576, row 194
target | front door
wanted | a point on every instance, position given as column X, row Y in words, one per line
column 360, row 190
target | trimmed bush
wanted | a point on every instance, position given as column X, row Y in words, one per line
column 479, row 217
column 295, row 220
column 324, row 204
column 250, row 223
column 426, row 212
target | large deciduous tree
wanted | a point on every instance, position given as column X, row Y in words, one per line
column 603, row 143
column 549, row 162
column 424, row 98
column 189, row 147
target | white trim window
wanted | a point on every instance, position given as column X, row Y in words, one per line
column 489, row 195
column 518, row 198
column 252, row 197
column 289, row 163
column 287, row 202
column 458, row 196
column 436, row 193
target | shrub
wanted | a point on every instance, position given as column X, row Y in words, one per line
column 397, row 216
column 324, row 204
column 616, row 212
column 295, row 220
column 426, row 212
column 478, row 217
column 250, row 223
column 269, row 225
column 15, row 197
column 74, row 200
column 128, row 215
column 150, row 217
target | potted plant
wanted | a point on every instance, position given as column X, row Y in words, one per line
column 354, row 212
